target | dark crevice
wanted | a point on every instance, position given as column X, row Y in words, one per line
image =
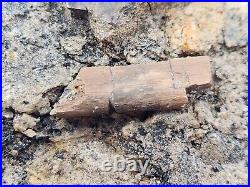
column 145, row 115
column 184, row 54
column 54, row 94
column 111, row 108
column 79, row 14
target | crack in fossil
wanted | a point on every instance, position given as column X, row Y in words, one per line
column 172, row 73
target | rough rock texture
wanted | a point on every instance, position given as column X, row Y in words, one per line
column 43, row 50
column 25, row 124
column 33, row 64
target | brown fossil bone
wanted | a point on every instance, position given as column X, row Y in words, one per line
column 135, row 88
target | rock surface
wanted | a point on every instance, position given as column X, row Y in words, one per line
column 43, row 50
column 23, row 122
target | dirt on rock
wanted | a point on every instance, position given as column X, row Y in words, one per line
column 44, row 47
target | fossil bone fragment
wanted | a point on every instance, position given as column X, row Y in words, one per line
column 135, row 88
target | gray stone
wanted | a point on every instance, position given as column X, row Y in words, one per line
column 236, row 34
column 23, row 122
